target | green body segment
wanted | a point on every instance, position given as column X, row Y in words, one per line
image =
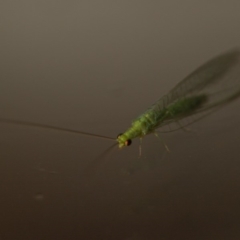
column 152, row 118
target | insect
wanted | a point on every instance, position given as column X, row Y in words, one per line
column 203, row 91
column 211, row 86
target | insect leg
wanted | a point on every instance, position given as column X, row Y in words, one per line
column 164, row 144
column 185, row 129
column 140, row 147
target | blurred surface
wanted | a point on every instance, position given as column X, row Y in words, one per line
column 95, row 66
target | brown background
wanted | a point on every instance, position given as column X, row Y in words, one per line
column 95, row 66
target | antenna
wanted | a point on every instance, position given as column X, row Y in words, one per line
column 44, row 126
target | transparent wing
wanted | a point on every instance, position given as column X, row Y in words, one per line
column 209, row 74
column 218, row 79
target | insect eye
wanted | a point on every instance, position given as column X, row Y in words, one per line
column 128, row 142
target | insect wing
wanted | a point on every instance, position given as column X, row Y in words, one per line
column 218, row 80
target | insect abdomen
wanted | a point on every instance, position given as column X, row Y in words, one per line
column 152, row 118
column 186, row 105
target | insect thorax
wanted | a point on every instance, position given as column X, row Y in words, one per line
column 143, row 125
